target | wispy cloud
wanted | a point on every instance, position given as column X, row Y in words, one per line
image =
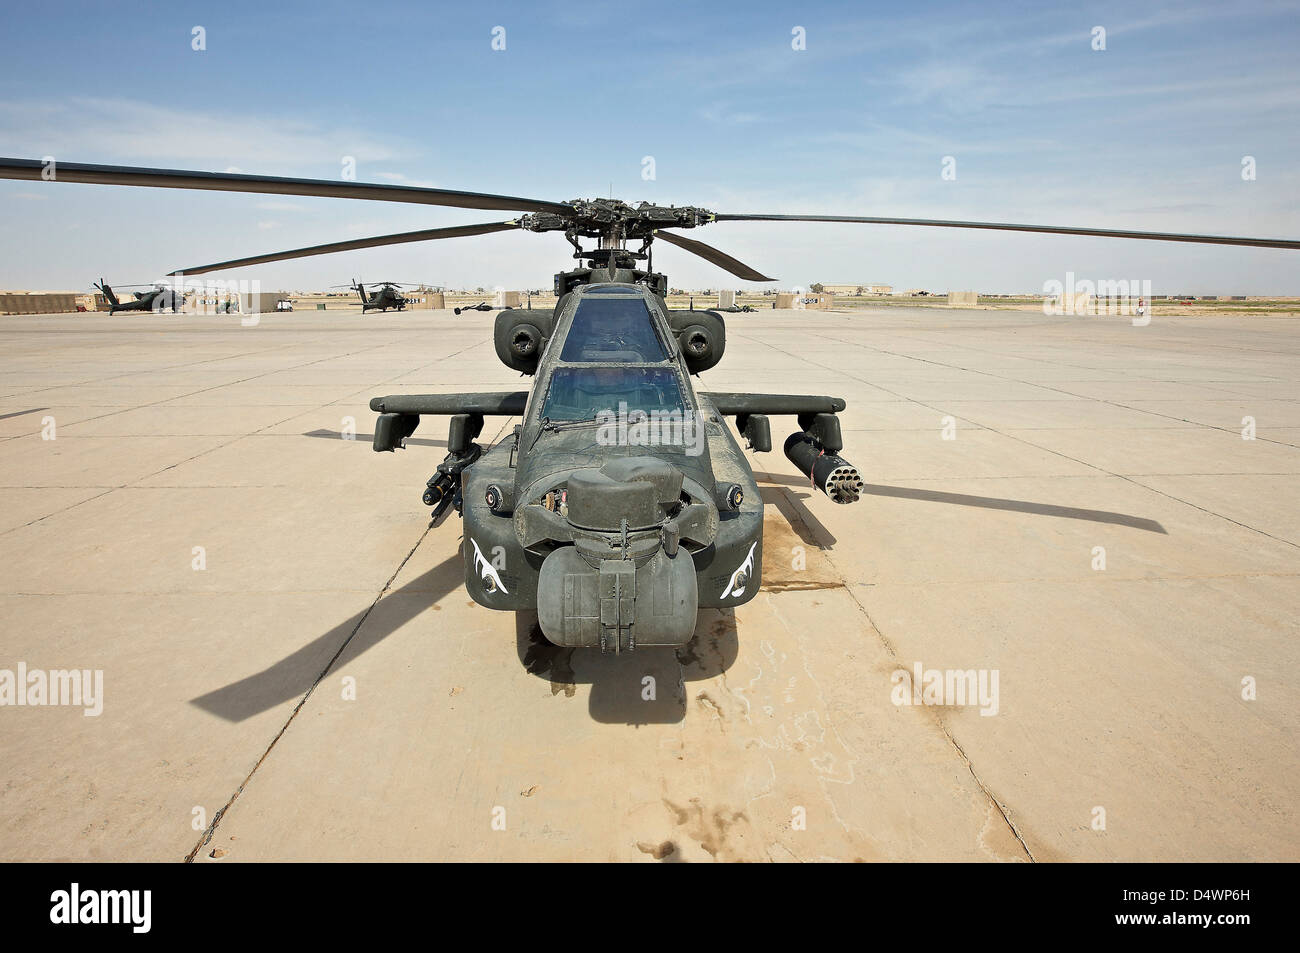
column 724, row 113
column 81, row 128
column 397, row 178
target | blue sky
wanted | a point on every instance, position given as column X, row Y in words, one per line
column 1148, row 134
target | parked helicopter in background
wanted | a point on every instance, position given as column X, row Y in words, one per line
column 385, row 296
column 481, row 306
column 159, row 299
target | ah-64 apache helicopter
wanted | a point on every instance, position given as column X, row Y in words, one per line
column 614, row 541
column 159, row 299
column 382, row 298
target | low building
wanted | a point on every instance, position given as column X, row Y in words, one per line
column 804, row 300
column 44, row 302
column 857, row 290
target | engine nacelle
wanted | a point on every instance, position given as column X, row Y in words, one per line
column 519, row 336
column 702, row 336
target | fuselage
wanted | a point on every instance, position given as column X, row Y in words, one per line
column 613, row 412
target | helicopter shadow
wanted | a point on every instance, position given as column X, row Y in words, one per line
column 296, row 674
column 21, row 413
column 619, row 694
column 644, row 687
column 983, row 502
column 369, row 438
column 810, row 530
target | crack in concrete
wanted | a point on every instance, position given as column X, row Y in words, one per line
column 221, row 812
column 893, row 652
column 1001, row 808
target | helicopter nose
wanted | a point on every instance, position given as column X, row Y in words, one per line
column 626, row 579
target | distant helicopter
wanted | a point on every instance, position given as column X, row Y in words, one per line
column 157, row 300
column 382, row 298
column 482, row 306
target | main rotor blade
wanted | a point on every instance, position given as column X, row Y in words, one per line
column 428, row 234
column 711, row 254
column 1004, row 227
column 34, row 169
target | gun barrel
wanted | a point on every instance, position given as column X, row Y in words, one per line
column 440, row 491
column 829, row 472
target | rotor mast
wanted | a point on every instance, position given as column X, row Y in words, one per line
column 612, row 224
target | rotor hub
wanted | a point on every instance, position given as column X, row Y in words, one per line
column 615, row 221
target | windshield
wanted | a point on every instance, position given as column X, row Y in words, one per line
column 611, row 330
column 580, row 393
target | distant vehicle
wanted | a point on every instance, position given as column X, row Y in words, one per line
column 284, row 304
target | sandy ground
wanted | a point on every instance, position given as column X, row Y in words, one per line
column 199, row 531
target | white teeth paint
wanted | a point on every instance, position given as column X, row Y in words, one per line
column 485, row 569
column 746, row 567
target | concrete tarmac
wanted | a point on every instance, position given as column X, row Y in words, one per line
column 1099, row 522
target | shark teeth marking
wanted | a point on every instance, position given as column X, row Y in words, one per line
column 746, row 566
column 486, row 570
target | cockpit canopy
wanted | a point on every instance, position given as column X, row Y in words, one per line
column 610, row 329
column 616, row 361
column 585, row 393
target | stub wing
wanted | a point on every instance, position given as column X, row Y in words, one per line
column 502, row 403
column 728, row 404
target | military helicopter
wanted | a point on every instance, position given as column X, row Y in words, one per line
column 382, row 298
column 622, row 502
column 159, row 299
column 481, row 306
